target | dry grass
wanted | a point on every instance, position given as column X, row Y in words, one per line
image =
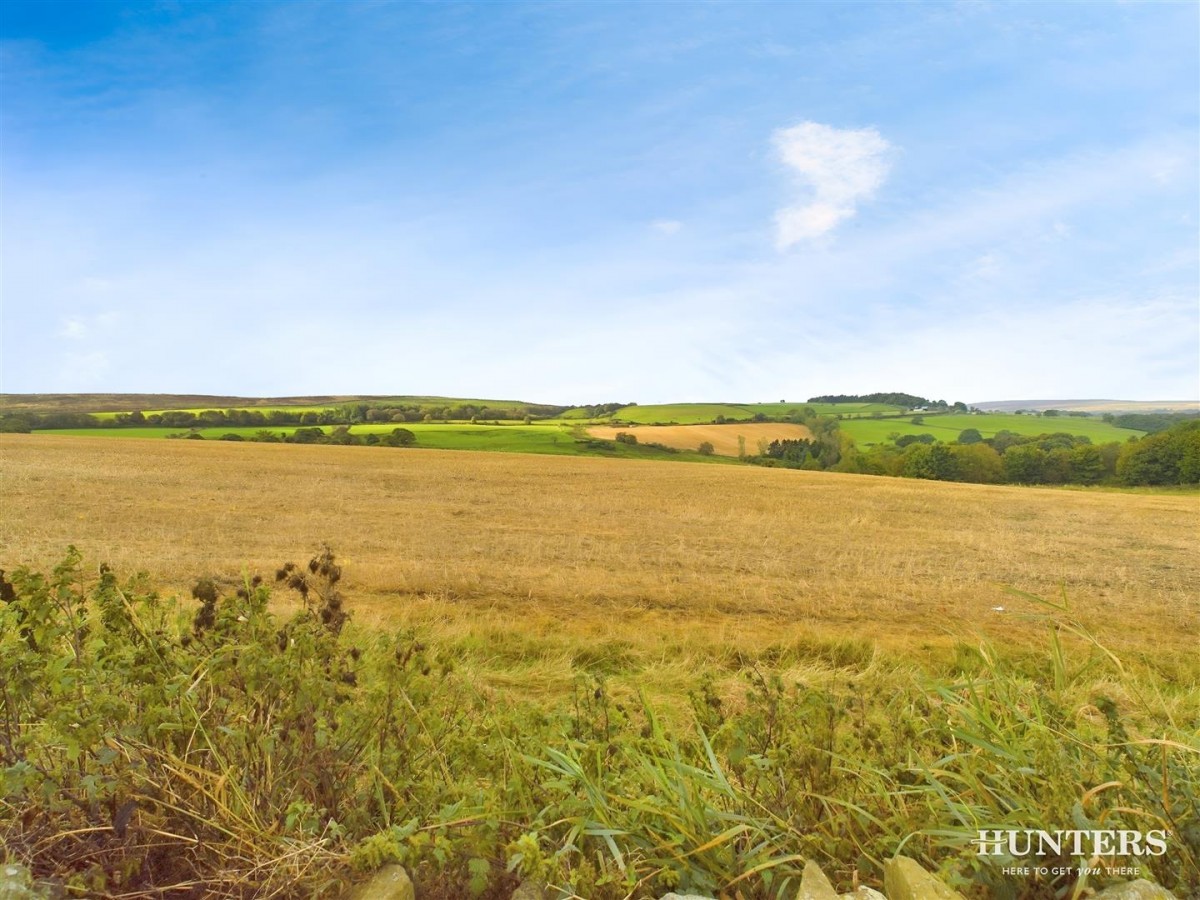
column 724, row 438
column 533, row 561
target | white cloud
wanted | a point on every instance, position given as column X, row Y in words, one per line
column 840, row 166
column 666, row 226
column 80, row 327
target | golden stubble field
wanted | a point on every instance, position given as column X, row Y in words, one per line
column 531, row 562
column 724, row 438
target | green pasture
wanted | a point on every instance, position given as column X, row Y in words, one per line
column 824, row 409
column 947, row 427
column 445, row 436
column 464, row 436
column 548, row 438
column 559, row 436
column 703, row 413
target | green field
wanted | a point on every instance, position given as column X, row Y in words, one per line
column 559, row 437
column 824, row 409
column 445, row 436
column 703, row 413
column 947, row 427
column 549, row 438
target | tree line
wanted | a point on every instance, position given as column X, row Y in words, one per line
column 347, row 414
column 908, row 401
column 1170, row 457
column 340, row 434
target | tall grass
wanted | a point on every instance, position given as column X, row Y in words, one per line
column 157, row 749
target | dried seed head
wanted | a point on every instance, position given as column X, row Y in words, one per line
column 205, row 591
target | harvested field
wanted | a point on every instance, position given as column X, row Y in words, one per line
column 529, row 559
column 724, row 438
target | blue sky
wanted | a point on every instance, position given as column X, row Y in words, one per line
column 589, row 202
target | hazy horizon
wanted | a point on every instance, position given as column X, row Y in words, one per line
column 584, row 203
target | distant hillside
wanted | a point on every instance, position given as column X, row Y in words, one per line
column 91, row 403
column 1091, row 406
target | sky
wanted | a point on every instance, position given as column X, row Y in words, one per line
column 601, row 202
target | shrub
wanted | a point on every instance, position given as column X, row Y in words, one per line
column 399, row 437
column 907, row 439
column 705, row 448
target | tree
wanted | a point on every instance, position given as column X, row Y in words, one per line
column 705, row 449
column 934, row 461
column 1168, row 457
column 1004, row 439
column 1024, row 464
column 306, row 436
column 1087, row 464
column 969, row 436
column 977, row 463
column 399, row 437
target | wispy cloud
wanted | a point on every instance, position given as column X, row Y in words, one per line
column 532, row 177
column 73, row 329
column 837, row 167
column 85, row 327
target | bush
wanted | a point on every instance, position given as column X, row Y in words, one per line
column 10, row 424
column 705, row 449
column 907, row 439
column 399, row 437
